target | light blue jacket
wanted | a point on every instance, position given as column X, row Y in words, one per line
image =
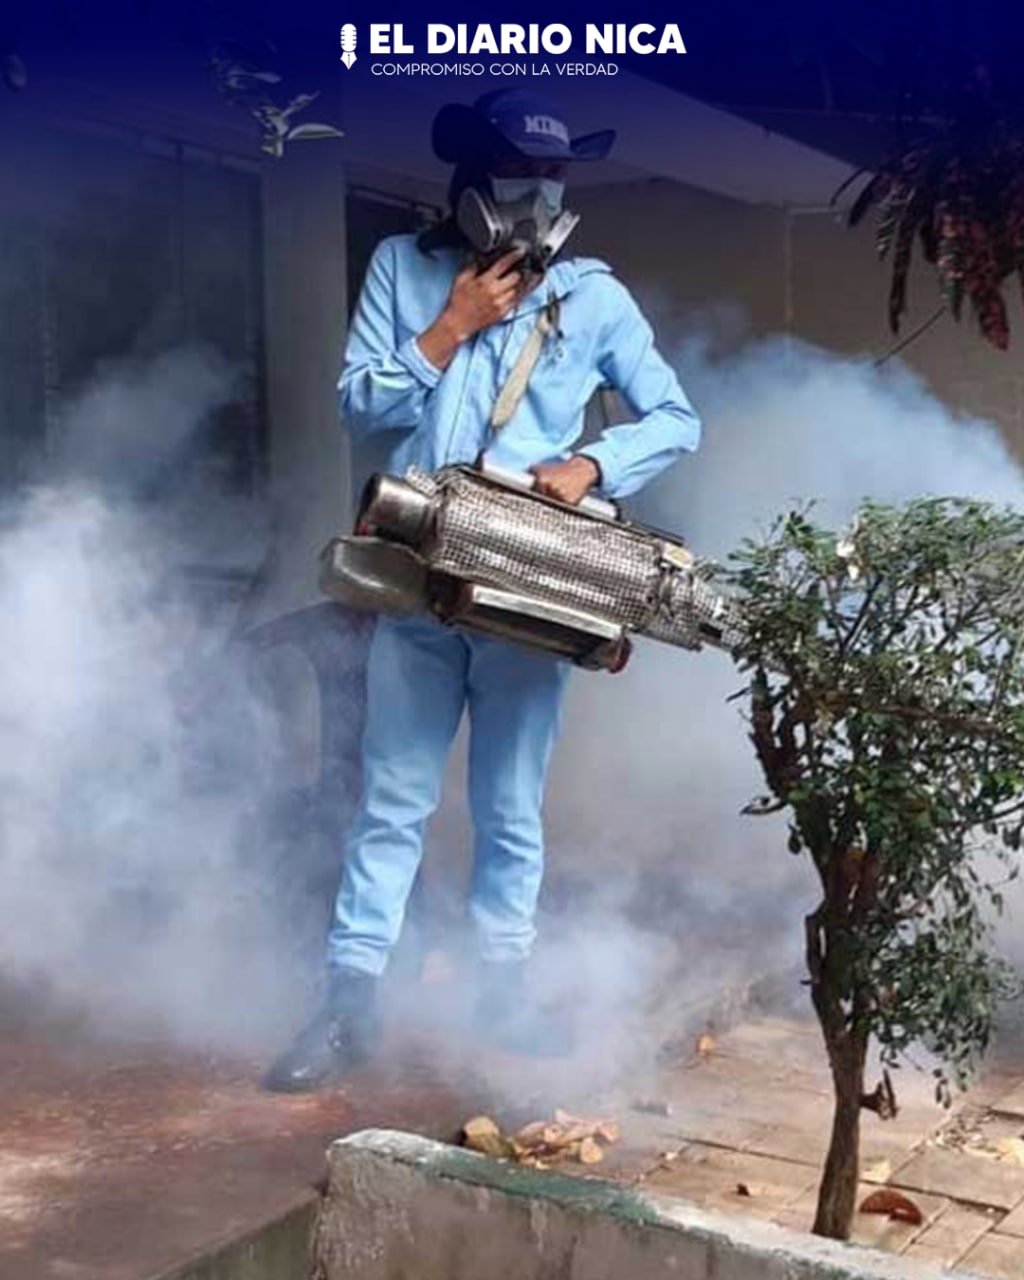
column 387, row 384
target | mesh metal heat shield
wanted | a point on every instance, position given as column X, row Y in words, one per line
column 496, row 536
column 502, row 538
column 694, row 613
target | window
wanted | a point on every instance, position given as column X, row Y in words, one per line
column 114, row 248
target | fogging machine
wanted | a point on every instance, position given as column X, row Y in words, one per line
column 477, row 547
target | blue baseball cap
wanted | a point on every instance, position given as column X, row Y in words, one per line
column 512, row 122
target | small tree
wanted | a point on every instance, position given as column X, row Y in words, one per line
column 886, row 706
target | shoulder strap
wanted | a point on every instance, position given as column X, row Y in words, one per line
column 515, row 384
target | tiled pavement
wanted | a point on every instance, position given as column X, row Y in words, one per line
column 748, row 1125
column 118, row 1160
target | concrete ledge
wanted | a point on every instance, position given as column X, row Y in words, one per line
column 403, row 1206
column 280, row 1249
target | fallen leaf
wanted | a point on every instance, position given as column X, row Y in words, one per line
column 705, row 1045
column 586, row 1124
column 541, row 1142
column 481, row 1127
column 608, row 1131
column 1011, row 1150
column 483, row 1135
column 880, row 1172
column 893, row 1204
column 590, row 1152
column 577, row 1132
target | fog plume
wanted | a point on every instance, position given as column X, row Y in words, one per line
column 139, row 873
column 655, row 766
column 786, row 423
column 134, row 757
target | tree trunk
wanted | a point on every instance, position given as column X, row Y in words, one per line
column 837, row 1196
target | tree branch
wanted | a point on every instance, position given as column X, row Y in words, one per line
column 882, row 1099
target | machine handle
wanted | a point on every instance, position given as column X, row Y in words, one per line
column 526, row 481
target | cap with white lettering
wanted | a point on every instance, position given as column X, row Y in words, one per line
column 513, row 121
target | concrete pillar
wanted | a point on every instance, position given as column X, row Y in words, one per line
column 305, row 293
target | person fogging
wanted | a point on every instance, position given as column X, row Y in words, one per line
column 476, row 339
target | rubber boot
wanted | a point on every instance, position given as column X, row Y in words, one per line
column 341, row 1037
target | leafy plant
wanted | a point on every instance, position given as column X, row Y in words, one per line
column 233, row 46
column 245, row 85
column 955, row 188
column 886, row 706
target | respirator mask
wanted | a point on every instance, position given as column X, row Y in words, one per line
column 517, row 213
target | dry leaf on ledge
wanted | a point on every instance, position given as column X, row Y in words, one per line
column 542, row 1142
column 483, row 1135
column 880, row 1172
column 705, row 1045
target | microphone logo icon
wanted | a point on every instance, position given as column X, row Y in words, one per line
column 348, row 44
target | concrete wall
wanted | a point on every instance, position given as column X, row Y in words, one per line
column 797, row 271
column 279, row 1249
column 839, row 291
column 402, row 1206
column 686, row 248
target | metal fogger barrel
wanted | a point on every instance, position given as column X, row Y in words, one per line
column 477, row 548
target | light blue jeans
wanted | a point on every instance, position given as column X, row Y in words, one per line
column 420, row 677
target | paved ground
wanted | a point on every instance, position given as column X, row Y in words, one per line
column 748, row 1127
column 118, row 1161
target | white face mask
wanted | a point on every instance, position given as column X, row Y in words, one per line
column 509, row 190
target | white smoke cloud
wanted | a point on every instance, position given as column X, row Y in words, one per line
column 137, row 873
column 673, row 894
column 134, row 416
column 134, row 756
column 787, row 421
column 654, row 765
